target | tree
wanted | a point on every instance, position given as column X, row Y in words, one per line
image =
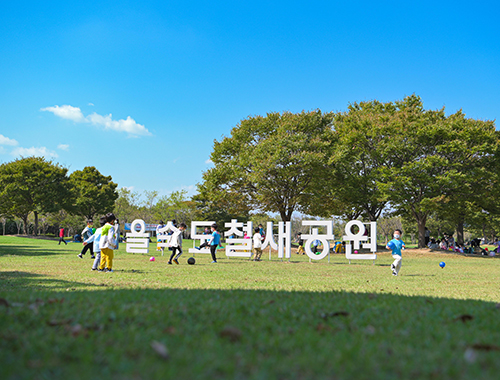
column 271, row 163
column 3, row 220
column 220, row 209
column 175, row 206
column 127, row 205
column 93, row 192
column 35, row 185
column 386, row 226
column 353, row 190
column 436, row 158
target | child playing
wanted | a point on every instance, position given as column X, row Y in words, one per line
column 396, row 245
column 176, row 244
column 107, row 243
column 301, row 244
column 214, row 243
column 95, row 238
column 86, row 234
column 257, row 245
column 158, row 241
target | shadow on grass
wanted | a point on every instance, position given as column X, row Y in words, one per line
column 26, row 280
column 34, row 250
column 244, row 334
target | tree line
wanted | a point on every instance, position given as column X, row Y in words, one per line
column 375, row 160
column 37, row 196
column 34, row 188
column 393, row 158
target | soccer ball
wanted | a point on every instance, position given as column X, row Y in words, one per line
column 191, row 261
column 152, row 258
column 442, row 264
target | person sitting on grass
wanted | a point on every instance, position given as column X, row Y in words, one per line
column 497, row 244
column 176, row 244
column 433, row 244
column 107, row 243
column 95, row 238
column 443, row 244
column 396, row 245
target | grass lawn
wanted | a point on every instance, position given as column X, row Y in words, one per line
column 245, row 320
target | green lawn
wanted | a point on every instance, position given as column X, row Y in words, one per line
column 240, row 319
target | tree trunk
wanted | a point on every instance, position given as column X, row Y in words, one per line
column 18, row 225
column 421, row 232
column 25, row 221
column 285, row 215
column 35, row 232
column 460, row 232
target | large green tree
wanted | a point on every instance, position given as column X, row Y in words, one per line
column 93, row 192
column 220, row 209
column 35, row 185
column 271, row 163
column 437, row 158
column 353, row 189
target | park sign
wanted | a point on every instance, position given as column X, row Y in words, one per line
column 239, row 238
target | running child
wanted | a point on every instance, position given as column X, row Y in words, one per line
column 176, row 244
column 396, row 245
column 86, row 234
column 214, row 242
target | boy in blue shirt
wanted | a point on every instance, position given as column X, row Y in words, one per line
column 86, row 234
column 214, row 243
column 396, row 245
column 95, row 238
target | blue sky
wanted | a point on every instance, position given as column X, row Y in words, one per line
column 140, row 90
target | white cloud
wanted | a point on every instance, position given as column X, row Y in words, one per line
column 127, row 125
column 66, row 112
column 209, row 161
column 2, row 150
column 91, row 104
column 63, row 147
column 6, row 141
column 38, row 152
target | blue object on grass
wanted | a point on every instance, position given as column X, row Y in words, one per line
column 442, row 264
